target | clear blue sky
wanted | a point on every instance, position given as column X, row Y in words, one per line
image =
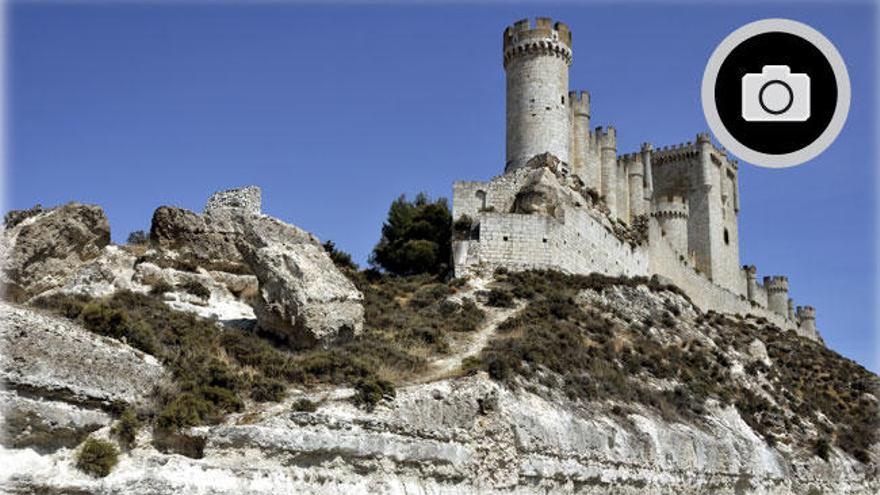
column 334, row 111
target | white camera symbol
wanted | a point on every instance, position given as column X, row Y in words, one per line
column 776, row 95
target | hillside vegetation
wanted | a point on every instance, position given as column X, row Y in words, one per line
column 673, row 361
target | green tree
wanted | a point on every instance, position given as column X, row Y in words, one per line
column 416, row 237
column 138, row 237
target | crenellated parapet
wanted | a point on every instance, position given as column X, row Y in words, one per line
column 604, row 137
column 778, row 283
column 806, row 313
column 579, row 102
column 675, row 153
column 670, row 207
column 543, row 38
column 777, row 294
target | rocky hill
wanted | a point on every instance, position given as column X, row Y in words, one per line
column 229, row 354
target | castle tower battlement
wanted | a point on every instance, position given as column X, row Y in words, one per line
column 671, row 214
column 777, row 294
column 806, row 318
column 536, row 61
column 542, row 37
column 674, row 206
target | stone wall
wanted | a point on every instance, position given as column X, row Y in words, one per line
column 666, row 262
column 248, row 199
column 578, row 238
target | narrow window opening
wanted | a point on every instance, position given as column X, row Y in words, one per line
column 563, row 99
column 726, row 237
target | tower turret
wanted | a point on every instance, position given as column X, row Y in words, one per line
column 635, row 170
column 777, row 294
column 751, row 282
column 671, row 214
column 806, row 318
column 606, row 140
column 579, row 103
column 536, row 59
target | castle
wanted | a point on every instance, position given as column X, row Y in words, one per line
column 568, row 201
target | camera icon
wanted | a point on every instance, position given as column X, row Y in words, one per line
column 776, row 95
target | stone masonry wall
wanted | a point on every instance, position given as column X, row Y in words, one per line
column 576, row 240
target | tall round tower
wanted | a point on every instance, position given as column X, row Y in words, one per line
column 536, row 59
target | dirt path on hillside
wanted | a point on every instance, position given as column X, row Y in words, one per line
column 469, row 344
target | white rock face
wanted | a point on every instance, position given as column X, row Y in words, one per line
column 58, row 378
column 224, row 303
column 111, row 271
column 59, row 358
column 758, row 351
column 442, row 437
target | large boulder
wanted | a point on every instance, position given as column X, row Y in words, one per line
column 303, row 297
column 42, row 249
column 193, row 236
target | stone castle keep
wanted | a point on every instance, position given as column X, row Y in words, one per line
column 568, row 201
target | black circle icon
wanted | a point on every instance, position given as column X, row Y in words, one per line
column 789, row 98
column 770, row 62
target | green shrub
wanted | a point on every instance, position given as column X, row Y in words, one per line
column 104, row 319
column 305, row 405
column 340, row 258
column 138, row 237
column 462, row 227
column 196, row 288
column 97, row 457
column 498, row 298
column 161, row 287
column 126, row 427
column 185, row 411
column 371, row 391
column 267, row 390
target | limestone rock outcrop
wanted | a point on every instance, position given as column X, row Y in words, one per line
column 60, row 379
column 302, row 298
column 194, row 236
column 539, row 195
column 62, row 359
column 41, row 249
